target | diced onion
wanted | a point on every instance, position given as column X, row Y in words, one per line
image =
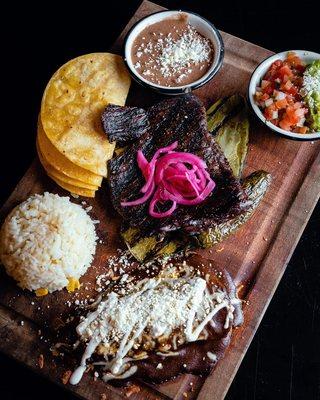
column 268, row 102
column 301, row 122
column 280, row 96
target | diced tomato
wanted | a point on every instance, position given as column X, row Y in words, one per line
column 290, row 100
column 300, row 112
column 269, row 89
column 287, row 86
column 292, row 116
column 294, row 60
column 276, row 64
column 284, row 124
column 281, row 104
column 268, row 112
column 300, row 68
column 301, row 129
column 285, row 71
column 265, row 97
column 278, row 95
column 264, row 83
column 293, row 90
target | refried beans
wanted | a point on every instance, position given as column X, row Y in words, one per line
column 172, row 53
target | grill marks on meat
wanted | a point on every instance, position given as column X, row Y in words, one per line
column 124, row 124
column 181, row 119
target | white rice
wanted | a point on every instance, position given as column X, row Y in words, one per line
column 46, row 240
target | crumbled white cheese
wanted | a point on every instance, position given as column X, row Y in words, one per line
column 191, row 48
column 311, row 83
column 160, row 306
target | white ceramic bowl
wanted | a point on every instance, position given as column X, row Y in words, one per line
column 203, row 26
column 259, row 72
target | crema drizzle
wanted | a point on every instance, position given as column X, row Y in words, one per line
column 156, row 306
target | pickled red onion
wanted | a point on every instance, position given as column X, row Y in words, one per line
column 181, row 178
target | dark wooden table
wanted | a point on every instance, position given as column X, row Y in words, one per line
column 283, row 361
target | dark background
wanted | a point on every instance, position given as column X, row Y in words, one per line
column 283, row 361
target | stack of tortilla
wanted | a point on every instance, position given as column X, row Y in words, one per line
column 71, row 144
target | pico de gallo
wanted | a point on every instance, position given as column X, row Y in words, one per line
column 278, row 95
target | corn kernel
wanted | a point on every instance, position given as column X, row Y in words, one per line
column 73, row 285
column 41, row 292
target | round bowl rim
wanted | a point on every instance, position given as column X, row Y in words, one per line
column 177, row 89
column 255, row 77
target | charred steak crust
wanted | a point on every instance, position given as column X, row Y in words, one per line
column 181, row 119
column 124, row 125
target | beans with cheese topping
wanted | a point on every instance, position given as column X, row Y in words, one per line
column 172, row 53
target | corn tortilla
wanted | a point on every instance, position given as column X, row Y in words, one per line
column 72, row 104
column 61, row 163
column 64, row 178
column 71, row 188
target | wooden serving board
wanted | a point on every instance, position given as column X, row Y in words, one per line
column 256, row 256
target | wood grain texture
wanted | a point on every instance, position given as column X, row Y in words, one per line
column 256, row 256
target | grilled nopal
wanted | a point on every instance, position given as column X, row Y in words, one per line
column 181, row 119
column 149, row 323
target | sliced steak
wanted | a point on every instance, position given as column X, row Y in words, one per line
column 124, row 124
column 181, row 119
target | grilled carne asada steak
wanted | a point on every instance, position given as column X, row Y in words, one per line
column 124, row 124
column 181, row 119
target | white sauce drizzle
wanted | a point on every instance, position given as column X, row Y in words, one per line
column 77, row 374
column 157, row 306
column 168, row 354
column 211, row 356
column 109, row 376
column 174, row 342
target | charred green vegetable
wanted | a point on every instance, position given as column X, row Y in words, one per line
column 228, row 122
column 222, row 110
column 256, row 186
column 233, row 137
column 146, row 247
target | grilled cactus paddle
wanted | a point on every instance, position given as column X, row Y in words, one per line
column 256, row 186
